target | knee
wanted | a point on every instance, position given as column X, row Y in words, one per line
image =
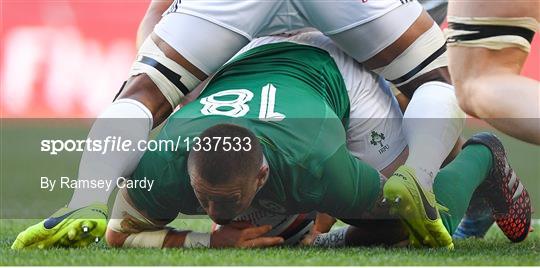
column 469, row 96
column 463, row 95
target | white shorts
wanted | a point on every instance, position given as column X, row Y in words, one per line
column 205, row 31
column 374, row 134
column 260, row 18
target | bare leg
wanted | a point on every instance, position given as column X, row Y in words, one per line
column 517, row 114
column 488, row 84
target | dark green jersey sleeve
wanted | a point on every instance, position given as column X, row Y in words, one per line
column 352, row 186
column 172, row 192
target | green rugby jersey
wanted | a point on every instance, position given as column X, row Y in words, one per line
column 293, row 98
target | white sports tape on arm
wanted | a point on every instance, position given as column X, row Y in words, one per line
column 150, row 51
column 146, row 239
column 429, row 44
column 142, row 232
column 197, row 240
column 155, row 239
column 115, row 225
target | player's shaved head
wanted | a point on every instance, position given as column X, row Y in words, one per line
column 227, row 171
column 228, row 152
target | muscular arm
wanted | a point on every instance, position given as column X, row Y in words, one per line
column 173, row 239
column 128, row 220
column 132, row 227
column 239, row 235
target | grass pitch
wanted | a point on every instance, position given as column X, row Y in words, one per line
column 22, row 203
column 495, row 249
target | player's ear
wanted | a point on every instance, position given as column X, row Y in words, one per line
column 262, row 176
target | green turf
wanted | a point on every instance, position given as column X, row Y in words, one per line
column 22, row 164
column 493, row 250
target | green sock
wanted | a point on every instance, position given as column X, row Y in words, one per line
column 456, row 183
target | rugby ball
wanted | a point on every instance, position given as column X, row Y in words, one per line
column 291, row 227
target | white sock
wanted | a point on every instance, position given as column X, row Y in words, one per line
column 125, row 119
column 432, row 124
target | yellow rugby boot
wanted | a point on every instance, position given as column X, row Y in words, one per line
column 67, row 227
column 417, row 209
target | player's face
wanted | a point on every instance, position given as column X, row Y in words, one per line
column 223, row 203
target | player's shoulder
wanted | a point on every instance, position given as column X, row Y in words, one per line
column 351, row 71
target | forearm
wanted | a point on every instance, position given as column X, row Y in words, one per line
column 233, row 235
column 161, row 238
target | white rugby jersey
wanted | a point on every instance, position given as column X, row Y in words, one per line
column 374, row 133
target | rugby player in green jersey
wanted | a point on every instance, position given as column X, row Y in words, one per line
column 396, row 39
column 281, row 129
